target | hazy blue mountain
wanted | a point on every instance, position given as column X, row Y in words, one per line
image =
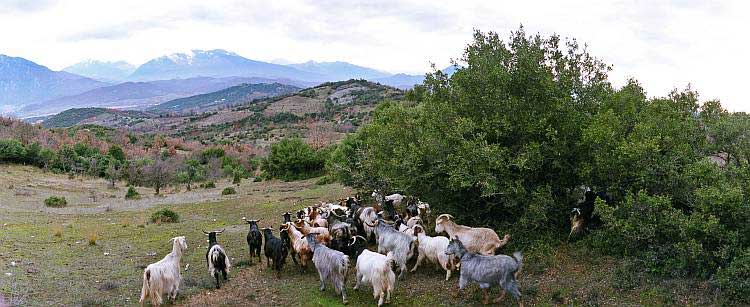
column 215, row 63
column 102, row 71
column 339, row 71
column 138, row 95
column 23, row 82
column 405, row 81
column 401, row 81
column 227, row 97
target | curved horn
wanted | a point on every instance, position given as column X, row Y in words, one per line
column 354, row 240
column 222, row 231
column 204, row 232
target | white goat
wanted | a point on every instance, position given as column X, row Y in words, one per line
column 375, row 269
column 433, row 249
column 391, row 240
column 396, row 198
column 478, row 240
column 163, row 277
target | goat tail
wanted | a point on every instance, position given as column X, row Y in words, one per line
column 390, row 259
column 519, row 261
column 146, row 285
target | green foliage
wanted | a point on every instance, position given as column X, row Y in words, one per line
column 734, row 280
column 132, row 193
column 228, row 191
column 509, row 139
column 12, row 151
column 237, row 176
column 213, row 152
column 116, row 153
column 55, row 202
column 292, row 159
column 208, row 185
column 165, row 216
column 285, row 117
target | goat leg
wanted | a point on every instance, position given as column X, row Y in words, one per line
column 486, row 296
column 502, row 296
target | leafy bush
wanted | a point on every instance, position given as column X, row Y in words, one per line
column 734, row 280
column 292, row 159
column 165, row 216
column 208, row 185
column 132, row 193
column 55, row 202
column 228, row 191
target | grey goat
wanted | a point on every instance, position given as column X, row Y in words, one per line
column 487, row 270
column 332, row 266
column 391, row 240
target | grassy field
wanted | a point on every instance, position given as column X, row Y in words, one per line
column 46, row 257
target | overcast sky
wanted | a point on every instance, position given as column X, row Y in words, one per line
column 664, row 44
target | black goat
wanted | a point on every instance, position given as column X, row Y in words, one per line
column 216, row 258
column 583, row 214
column 287, row 217
column 275, row 250
column 412, row 209
column 389, row 211
column 355, row 247
column 254, row 239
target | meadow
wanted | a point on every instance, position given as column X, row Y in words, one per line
column 93, row 252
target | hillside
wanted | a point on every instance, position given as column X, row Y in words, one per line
column 99, row 116
column 139, row 95
column 321, row 114
column 23, row 82
column 227, row 97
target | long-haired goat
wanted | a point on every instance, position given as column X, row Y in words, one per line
column 300, row 248
column 216, row 258
column 433, row 249
column 375, row 269
column 163, row 277
column 391, row 240
column 254, row 239
column 275, row 250
column 332, row 266
column 307, row 229
column 487, row 270
column 368, row 217
column 478, row 240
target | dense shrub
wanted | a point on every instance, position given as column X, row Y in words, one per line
column 165, row 216
column 734, row 280
column 55, row 202
column 292, row 159
column 132, row 193
column 208, row 185
column 228, row 191
column 513, row 134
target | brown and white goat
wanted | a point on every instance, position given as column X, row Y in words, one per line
column 478, row 240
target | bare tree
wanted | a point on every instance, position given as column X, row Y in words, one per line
column 113, row 173
column 159, row 173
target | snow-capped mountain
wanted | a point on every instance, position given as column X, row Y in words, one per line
column 102, row 70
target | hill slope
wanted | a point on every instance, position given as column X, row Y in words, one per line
column 227, row 97
column 23, row 82
column 73, row 117
column 137, row 94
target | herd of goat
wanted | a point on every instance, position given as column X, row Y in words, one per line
column 336, row 236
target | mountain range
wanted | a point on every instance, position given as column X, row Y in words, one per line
column 23, row 82
column 139, row 95
column 111, row 72
column 28, row 89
